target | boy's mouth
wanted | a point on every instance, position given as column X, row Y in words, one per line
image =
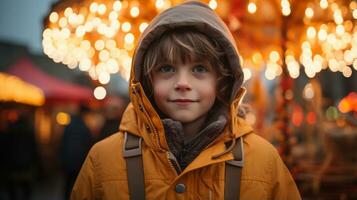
column 183, row 101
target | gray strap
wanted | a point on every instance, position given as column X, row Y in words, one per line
column 234, row 171
column 134, row 166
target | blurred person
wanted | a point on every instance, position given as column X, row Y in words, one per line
column 113, row 111
column 75, row 143
column 18, row 151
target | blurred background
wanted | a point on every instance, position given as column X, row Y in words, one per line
column 64, row 66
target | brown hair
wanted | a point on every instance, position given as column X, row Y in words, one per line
column 187, row 45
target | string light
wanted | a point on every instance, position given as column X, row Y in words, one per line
column 134, row 11
column 252, row 7
column 92, row 35
column 213, row 4
column 309, row 12
column 100, row 93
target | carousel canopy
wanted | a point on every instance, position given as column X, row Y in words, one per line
column 53, row 88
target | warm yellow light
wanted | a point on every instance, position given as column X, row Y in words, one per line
column 63, row 22
column 247, row 74
column 338, row 17
column 104, row 78
column 355, row 64
column 85, row 44
column 115, row 24
column 72, row 64
column 99, row 45
column 323, row 4
column 129, row 38
column 284, row 3
column 112, row 66
column 96, row 21
column 109, row 32
column 53, row 17
column 65, row 32
column 294, row 74
column 309, row 12
column 311, row 32
column 348, row 56
column 134, row 11
column 85, row 64
column 143, row 26
column 340, row 30
column 213, row 4
column 92, row 73
column 129, row 46
column 110, row 44
column 80, row 31
column 93, row 7
column 257, row 58
column 102, row 9
column 113, row 16
column 103, row 55
column 117, row 5
column 274, row 56
column 354, row 13
column 80, row 19
column 252, row 7
column 159, row 4
column 68, row 11
column 305, row 45
column 47, row 33
column 322, row 35
column 73, row 19
column 63, row 118
column 269, row 74
column 309, row 72
column 353, row 5
column 308, row 91
column 100, row 68
column 289, row 59
column 286, row 11
column 331, row 38
column 14, row 89
column 333, row 65
column 100, row 92
column 88, row 26
column 347, row 72
column 126, row 26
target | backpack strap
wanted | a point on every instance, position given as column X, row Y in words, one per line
column 134, row 166
column 234, row 171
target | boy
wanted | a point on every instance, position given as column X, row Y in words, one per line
column 181, row 136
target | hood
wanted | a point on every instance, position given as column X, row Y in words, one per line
column 200, row 17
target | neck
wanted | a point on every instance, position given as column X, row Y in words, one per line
column 190, row 129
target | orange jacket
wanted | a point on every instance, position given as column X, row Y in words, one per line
column 104, row 174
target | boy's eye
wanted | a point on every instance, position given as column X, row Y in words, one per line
column 166, row 69
column 199, row 69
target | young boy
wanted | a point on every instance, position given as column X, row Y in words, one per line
column 181, row 136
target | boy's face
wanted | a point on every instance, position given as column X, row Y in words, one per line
column 184, row 92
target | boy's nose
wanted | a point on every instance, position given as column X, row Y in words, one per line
column 182, row 82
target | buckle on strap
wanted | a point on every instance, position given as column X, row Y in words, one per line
column 238, row 163
column 136, row 150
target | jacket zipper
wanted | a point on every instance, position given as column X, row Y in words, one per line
column 173, row 162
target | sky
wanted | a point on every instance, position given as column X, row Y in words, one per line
column 21, row 22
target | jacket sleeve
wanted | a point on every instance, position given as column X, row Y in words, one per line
column 284, row 186
column 85, row 186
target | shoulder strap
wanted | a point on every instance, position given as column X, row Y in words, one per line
column 233, row 172
column 134, row 166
